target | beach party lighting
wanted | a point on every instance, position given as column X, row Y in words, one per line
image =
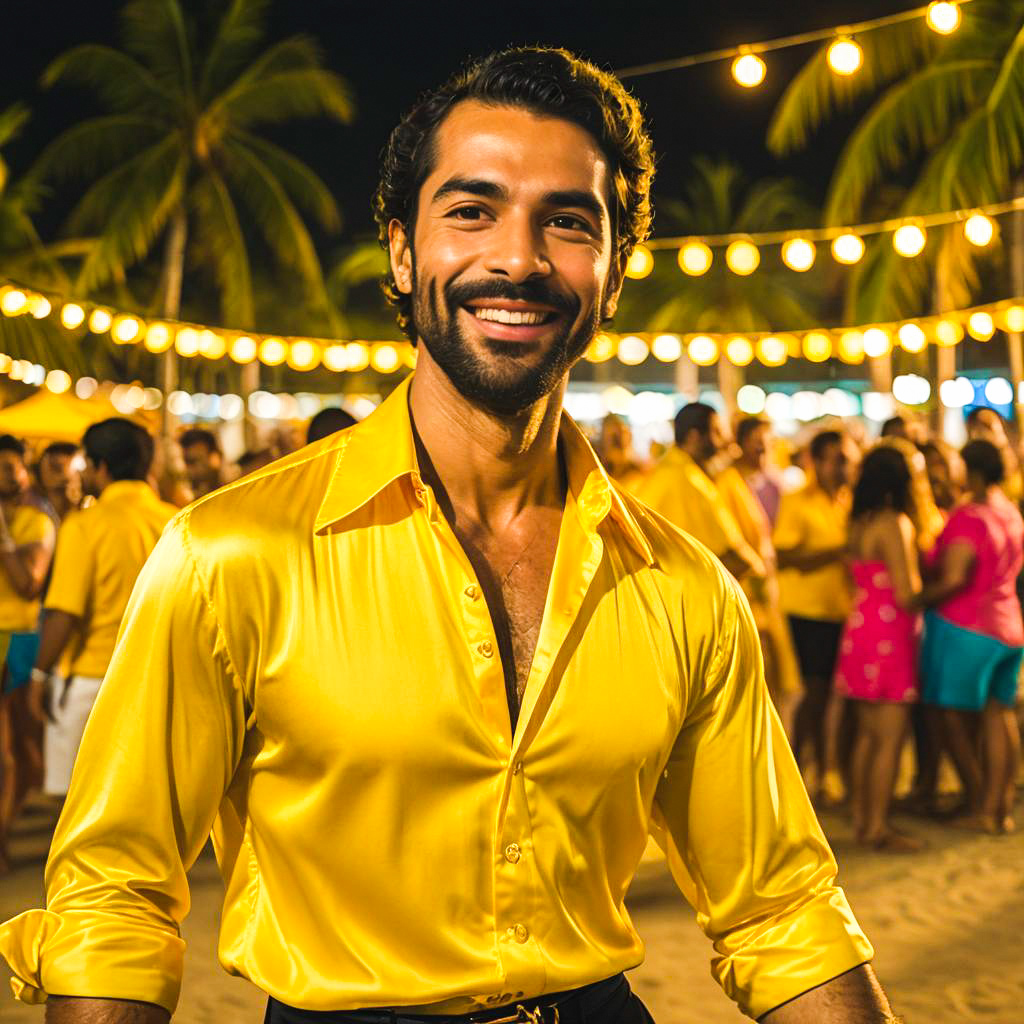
column 695, row 259
column 1014, row 319
column 912, row 338
column 385, row 359
column 909, row 240
column 749, row 70
column 847, row 249
column 273, row 352
column 981, row 326
column 243, row 349
column 817, row 346
column 72, row 315
column 186, row 342
column 667, row 348
column 14, row 302
column 845, row 56
column 702, row 350
column 771, row 350
column 632, row 350
column 742, row 257
column 943, row 18
column 979, row 230
column 798, row 254
column 876, row 342
column 641, row 262
column 157, row 338
column 739, row 351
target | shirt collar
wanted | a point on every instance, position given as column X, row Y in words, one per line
column 119, row 487
column 380, row 450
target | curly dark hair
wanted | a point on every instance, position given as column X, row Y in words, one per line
column 883, row 482
column 985, row 459
column 546, row 81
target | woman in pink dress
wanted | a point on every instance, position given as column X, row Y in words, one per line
column 877, row 667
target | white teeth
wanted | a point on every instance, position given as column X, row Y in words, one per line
column 508, row 316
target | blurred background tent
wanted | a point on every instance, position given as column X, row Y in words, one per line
column 50, row 417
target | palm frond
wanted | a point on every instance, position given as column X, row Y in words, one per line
column 912, row 116
column 816, row 93
column 240, row 30
column 157, row 33
column 92, row 146
column 12, row 120
column 885, row 286
column 42, row 341
column 219, row 232
column 120, row 81
column 300, row 181
column 306, row 92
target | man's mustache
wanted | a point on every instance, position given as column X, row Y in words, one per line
column 459, row 293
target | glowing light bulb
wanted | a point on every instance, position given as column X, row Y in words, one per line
column 358, row 355
column 772, row 350
column 212, row 345
column 742, row 258
column 702, row 350
column 948, row 333
column 14, row 302
column 981, row 326
column 750, row 399
column 845, row 56
column 817, row 346
column 749, row 70
column 243, row 349
column 943, row 18
column 100, row 321
column 39, row 306
column 125, row 330
column 848, row 249
column 158, row 338
column 909, row 240
column 303, row 355
column 695, row 259
column 186, row 342
column 667, row 348
column 912, row 338
column 72, row 315
column 798, row 254
column 632, row 350
column 979, row 230
column 58, row 381
column 1014, row 319
column 875, row 342
column 641, row 262
column 739, row 351
column 851, row 347
column 601, row 349
column 273, row 352
column 384, row 358
column 335, row 358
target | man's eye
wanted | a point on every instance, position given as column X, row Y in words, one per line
column 467, row 213
column 568, row 222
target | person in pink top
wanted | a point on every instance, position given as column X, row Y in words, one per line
column 877, row 667
column 974, row 638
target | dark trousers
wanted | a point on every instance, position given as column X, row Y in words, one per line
column 605, row 1002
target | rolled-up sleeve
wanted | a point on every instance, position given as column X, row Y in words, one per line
column 160, row 749
column 742, row 839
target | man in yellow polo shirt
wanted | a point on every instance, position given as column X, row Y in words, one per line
column 432, row 680
column 816, row 592
column 680, row 488
column 26, row 550
column 100, row 552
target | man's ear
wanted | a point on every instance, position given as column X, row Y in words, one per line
column 616, row 278
column 400, row 254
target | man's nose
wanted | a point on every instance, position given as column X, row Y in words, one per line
column 517, row 250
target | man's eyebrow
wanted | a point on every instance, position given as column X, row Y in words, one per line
column 474, row 186
column 576, row 198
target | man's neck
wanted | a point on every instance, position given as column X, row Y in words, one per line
column 491, row 466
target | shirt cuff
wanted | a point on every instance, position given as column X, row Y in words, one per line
column 783, row 958
column 93, row 955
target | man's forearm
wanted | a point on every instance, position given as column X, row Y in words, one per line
column 66, row 1010
column 853, row 998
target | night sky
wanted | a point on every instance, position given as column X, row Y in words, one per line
column 390, row 52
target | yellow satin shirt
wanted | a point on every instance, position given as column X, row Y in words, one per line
column 308, row 667
column 100, row 552
column 27, row 525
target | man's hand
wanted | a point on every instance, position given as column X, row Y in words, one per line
column 39, row 698
column 853, row 998
column 67, row 1010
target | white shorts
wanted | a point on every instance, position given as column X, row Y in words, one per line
column 72, row 703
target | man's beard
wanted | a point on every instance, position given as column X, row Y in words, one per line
column 504, row 384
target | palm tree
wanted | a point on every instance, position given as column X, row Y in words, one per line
column 719, row 200
column 178, row 152
column 945, row 118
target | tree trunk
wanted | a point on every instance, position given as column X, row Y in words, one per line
column 730, row 380
column 880, row 373
column 1013, row 338
column 945, row 358
column 173, row 272
column 250, row 383
column 687, row 377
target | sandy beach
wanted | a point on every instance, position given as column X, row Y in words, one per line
column 947, row 925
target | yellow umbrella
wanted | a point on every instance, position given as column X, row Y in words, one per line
column 50, row 417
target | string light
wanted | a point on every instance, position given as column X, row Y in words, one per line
column 798, row 254
column 186, row 342
column 845, row 56
column 632, row 350
column 335, row 358
column 358, row 355
column 772, row 350
column 243, row 349
column 667, row 348
column 303, row 355
column 157, row 338
column 14, row 302
column 702, row 350
column 273, row 352
column 912, row 338
column 817, row 346
column 875, row 342
column 909, row 240
column 100, row 321
column 385, row 358
column 847, row 249
column 749, row 70
column 948, row 333
column 979, row 230
column 601, row 349
column 695, row 259
column 212, row 345
column 851, row 347
column 125, row 329
column 39, row 306
column 943, row 18
column 1013, row 318
column 58, row 381
column 981, row 326
column 641, row 262
column 742, row 257
column 72, row 315
column 739, row 351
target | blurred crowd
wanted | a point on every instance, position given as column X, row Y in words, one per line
column 882, row 576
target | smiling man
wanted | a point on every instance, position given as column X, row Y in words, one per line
column 432, row 681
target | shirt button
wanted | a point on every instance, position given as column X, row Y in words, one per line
column 487, row 648
column 517, row 767
column 471, row 592
column 513, row 853
column 519, row 933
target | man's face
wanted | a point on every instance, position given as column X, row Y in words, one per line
column 201, row 465
column 90, row 480
column 755, row 447
column 616, row 437
column 715, row 440
column 834, row 468
column 511, row 263
column 13, row 475
column 56, row 472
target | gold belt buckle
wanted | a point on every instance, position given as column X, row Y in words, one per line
column 525, row 1016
